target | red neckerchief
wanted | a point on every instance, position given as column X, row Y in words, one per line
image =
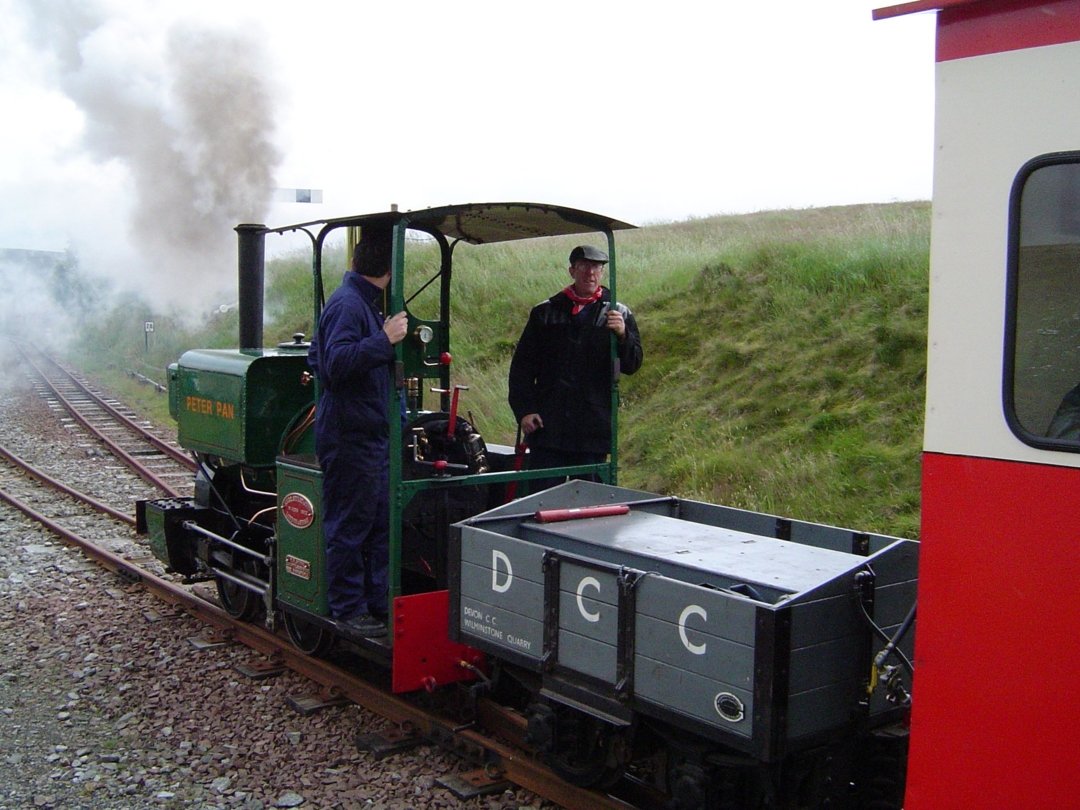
column 580, row 302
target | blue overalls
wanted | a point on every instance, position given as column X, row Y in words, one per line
column 353, row 360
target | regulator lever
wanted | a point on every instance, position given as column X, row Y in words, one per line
column 452, row 425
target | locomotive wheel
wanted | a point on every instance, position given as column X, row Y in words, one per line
column 239, row 602
column 588, row 752
column 311, row 639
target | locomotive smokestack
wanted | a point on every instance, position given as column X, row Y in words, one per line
column 252, row 245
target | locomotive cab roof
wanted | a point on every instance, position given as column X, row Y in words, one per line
column 483, row 223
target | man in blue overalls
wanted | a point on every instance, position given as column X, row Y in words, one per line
column 353, row 356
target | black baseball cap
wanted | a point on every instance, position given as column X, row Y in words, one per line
column 588, row 253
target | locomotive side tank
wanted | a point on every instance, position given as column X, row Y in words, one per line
column 237, row 406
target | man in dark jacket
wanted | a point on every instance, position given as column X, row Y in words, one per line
column 561, row 373
column 352, row 354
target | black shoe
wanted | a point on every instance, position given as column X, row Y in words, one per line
column 364, row 625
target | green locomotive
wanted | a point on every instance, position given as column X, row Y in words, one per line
column 246, row 415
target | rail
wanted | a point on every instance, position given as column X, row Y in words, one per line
column 122, row 454
column 501, row 759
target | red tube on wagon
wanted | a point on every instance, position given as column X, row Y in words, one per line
column 577, row 513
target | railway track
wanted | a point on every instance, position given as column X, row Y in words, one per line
column 128, row 438
column 490, row 739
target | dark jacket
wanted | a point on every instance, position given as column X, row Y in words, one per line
column 353, row 360
column 562, row 371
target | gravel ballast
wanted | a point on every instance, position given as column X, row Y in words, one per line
column 105, row 703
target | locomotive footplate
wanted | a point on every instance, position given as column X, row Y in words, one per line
column 379, row 647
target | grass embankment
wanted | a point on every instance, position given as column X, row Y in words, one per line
column 784, row 354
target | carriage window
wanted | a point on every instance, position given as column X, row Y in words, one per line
column 1042, row 390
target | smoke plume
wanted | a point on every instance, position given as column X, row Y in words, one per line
column 187, row 111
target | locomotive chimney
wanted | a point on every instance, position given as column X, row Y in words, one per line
column 252, row 245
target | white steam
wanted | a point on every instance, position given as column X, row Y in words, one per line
column 185, row 113
column 34, row 310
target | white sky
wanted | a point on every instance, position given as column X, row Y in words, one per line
column 644, row 111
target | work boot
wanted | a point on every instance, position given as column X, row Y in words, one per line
column 364, row 625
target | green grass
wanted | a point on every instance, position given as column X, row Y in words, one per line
column 787, row 375
column 784, row 352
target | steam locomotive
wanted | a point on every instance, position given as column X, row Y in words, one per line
column 766, row 659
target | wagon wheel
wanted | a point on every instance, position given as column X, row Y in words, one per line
column 882, row 766
column 310, row 638
column 589, row 752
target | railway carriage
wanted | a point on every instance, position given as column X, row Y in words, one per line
column 635, row 619
column 992, row 724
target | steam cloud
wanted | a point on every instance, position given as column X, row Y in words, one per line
column 188, row 113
